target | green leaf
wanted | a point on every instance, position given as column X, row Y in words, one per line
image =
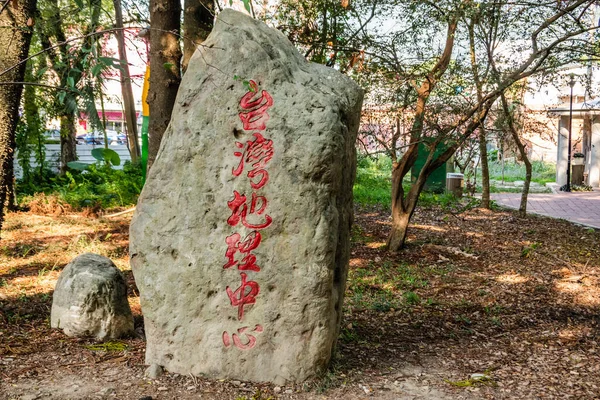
column 247, row 5
column 41, row 72
column 108, row 155
column 168, row 66
column 96, row 69
column 98, row 153
column 113, row 157
column 61, row 96
column 79, row 3
column 77, row 165
column 70, row 82
column 108, row 61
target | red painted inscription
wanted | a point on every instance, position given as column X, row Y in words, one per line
column 254, row 156
column 241, row 296
column 237, row 341
column 255, row 106
column 256, row 153
column 235, row 245
column 240, row 210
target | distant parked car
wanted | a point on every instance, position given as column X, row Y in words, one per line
column 115, row 137
column 89, row 138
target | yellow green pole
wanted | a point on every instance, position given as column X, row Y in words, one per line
column 145, row 121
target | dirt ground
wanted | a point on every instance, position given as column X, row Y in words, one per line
column 513, row 301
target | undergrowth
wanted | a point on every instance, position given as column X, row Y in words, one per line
column 97, row 187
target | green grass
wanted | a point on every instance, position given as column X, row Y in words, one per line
column 385, row 287
column 542, row 172
column 373, row 184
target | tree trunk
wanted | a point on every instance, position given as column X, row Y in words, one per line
column 16, row 25
column 198, row 17
column 165, row 76
column 485, row 170
column 528, row 172
column 126, row 91
column 403, row 208
column 523, row 152
column 68, row 149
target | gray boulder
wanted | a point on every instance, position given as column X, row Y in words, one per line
column 240, row 240
column 90, row 299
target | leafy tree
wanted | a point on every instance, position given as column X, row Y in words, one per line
column 16, row 26
column 126, row 90
column 76, row 64
column 446, row 105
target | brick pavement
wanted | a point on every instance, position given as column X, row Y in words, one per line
column 579, row 207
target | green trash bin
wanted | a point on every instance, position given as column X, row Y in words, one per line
column 436, row 182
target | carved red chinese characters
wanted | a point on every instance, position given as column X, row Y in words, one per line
column 257, row 153
column 254, row 156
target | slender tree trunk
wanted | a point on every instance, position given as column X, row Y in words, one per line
column 126, row 91
column 16, row 25
column 165, row 57
column 528, row 169
column 198, row 17
column 485, row 169
column 403, row 208
column 68, row 149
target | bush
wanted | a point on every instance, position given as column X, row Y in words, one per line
column 97, row 186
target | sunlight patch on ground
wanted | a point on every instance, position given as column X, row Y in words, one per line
column 429, row 228
column 375, row 245
column 512, row 278
column 357, row 262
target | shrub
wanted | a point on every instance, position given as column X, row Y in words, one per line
column 97, row 186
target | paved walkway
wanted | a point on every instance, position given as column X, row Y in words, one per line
column 579, row 207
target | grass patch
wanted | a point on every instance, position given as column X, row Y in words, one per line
column 373, row 184
column 108, row 346
column 474, row 380
column 384, row 287
column 542, row 172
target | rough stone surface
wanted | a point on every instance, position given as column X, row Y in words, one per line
column 90, row 299
column 179, row 230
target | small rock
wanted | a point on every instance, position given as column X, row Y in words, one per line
column 90, row 299
column 277, row 389
column 154, row 371
column 191, row 388
column 289, row 391
column 236, row 383
column 162, row 388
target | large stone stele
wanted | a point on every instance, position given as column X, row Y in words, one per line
column 90, row 299
column 189, row 296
